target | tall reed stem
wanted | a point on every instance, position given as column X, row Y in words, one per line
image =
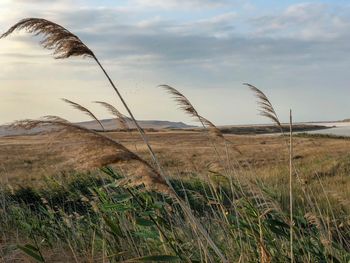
column 140, row 130
column 290, row 183
column 195, row 223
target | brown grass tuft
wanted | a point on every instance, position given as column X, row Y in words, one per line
column 312, row 219
column 151, row 179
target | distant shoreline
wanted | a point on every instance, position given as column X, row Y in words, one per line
column 162, row 126
column 268, row 129
column 263, row 129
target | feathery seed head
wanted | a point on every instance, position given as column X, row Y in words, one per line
column 121, row 118
column 64, row 43
column 265, row 107
column 84, row 110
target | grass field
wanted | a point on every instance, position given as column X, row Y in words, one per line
column 43, row 188
column 28, row 159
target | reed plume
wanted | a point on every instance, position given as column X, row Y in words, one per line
column 265, row 106
column 212, row 129
column 267, row 110
column 121, row 118
column 181, row 100
column 64, row 43
column 188, row 108
column 84, row 110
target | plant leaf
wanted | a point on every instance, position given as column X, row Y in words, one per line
column 32, row 251
column 157, row 258
column 144, row 222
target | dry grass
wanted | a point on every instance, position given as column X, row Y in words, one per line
column 85, row 149
column 26, row 159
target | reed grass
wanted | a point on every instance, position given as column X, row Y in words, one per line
column 112, row 215
column 267, row 110
column 121, row 118
column 84, row 110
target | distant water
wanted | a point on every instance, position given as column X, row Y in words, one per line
column 340, row 129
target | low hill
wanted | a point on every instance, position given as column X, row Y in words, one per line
column 112, row 124
column 109, row 124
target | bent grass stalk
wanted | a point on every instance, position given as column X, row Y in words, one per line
column 212, row 131
column 267, row 110
column 84, row 110
column 290, row 184
column 121, row 118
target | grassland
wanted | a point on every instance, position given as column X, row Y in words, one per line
column 32, row 172
column 26, row 160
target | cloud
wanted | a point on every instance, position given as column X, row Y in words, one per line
column 292, row 36
column 292, row 50
column 219, row 26
column 309, row 21
column 182, row 4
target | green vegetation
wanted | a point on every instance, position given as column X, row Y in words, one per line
column 94, row 218
column 319, row 135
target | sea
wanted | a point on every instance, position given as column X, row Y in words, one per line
column 336, row 128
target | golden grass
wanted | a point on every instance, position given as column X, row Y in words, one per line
column 27, row 159
column 85, row 149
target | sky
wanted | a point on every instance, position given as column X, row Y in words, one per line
column 297, row 52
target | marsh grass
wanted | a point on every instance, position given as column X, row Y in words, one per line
column 84, row 110
column 122, row 120
column 95, row 218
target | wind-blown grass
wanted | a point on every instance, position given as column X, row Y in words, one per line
column 114, row 216
column 84, row 110
column 121, row 118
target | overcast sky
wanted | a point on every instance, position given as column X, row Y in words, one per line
column 297, row 52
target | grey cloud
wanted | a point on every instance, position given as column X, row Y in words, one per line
column 164, row 42
column 313, row 21
column 128, row 40
column 181, row 3
column 111, row 34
